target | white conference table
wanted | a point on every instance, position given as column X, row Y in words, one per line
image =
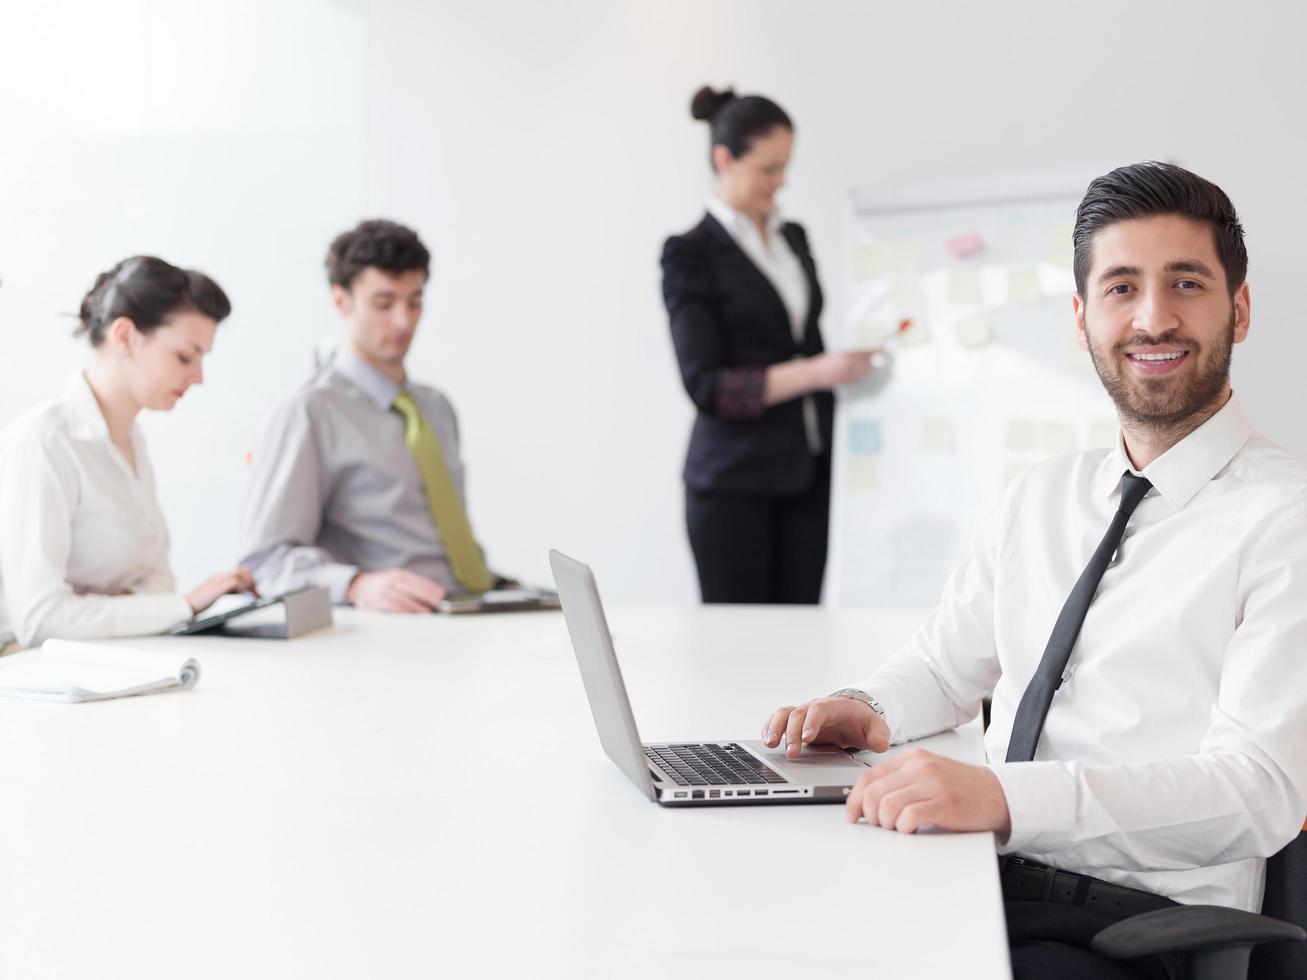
column 426, row 796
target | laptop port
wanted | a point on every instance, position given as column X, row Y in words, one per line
column 713, row 794
column 744, row 792
column 681, row 794
column 784, row 792
column 697, row 794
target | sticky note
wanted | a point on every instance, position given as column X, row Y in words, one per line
column 974, row 331
column 864, row 437
column 915, row 333
column 1061, row 251
column 905, row 256
column 870, row 260
column 1023, row 285
column 964, row 286
column 908, row 297
column 960, row 246
column 861, row 474
column 938, row 436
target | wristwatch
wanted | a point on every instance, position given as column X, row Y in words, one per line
column 856, row 695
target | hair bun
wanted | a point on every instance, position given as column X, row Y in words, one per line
column 706, row 102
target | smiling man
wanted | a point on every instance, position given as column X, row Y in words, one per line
column 1139, row 616
column 358, row 484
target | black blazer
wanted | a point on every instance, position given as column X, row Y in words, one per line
column 728, row 324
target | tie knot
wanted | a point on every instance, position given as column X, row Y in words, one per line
column 1133, row 489
column 405, row 405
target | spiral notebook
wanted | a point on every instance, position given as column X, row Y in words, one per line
column 67, row 670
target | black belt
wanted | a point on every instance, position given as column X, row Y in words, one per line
column 1028, row 881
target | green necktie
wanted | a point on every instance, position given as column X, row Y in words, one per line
column 464, row 555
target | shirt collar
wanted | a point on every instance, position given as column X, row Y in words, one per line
column 85, row 420
column 378, row 388
column 1184, row 469
column 738, row 223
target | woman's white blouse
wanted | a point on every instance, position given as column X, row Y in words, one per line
column 83, row 545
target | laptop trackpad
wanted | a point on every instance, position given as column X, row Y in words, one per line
column 822, row 765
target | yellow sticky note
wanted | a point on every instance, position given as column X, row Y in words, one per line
column 964, row 286
column 1060, row 249
column 1023, row 285
column 974, row 331
column 872, row 334
column 938, row 436
column 905, row 256
column 870, row 260
column 907, row 297
column 862, row 476
column 916, row 333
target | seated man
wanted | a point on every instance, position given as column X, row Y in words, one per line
column 1150, row 743
column 357, row 483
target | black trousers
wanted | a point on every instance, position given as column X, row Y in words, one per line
column 761, row 549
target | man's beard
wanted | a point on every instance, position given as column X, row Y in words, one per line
column 1164, row 404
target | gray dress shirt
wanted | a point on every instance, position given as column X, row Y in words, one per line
column 334, row 489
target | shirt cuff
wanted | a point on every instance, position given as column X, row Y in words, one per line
column 739, row 392
column 1041, row 804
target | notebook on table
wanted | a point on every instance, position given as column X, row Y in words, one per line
column 68, row 670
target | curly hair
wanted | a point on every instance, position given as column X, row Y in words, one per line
column 379, row 244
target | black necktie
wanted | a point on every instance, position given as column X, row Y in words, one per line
column 1033, row 709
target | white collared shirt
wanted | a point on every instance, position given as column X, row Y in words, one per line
column 1174, row 756
column 777, row 261
column 83, row 544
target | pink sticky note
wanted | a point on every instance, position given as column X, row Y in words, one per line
column 961, row 246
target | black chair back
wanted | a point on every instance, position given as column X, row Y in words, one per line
column 1285, row 898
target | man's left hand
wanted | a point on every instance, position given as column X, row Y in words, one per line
column 921, row 789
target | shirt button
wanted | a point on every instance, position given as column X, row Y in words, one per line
column 1129, row 532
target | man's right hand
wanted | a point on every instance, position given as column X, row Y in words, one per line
column 845, row 722
column 395, row 590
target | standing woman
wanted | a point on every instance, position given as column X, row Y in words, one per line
column 743, row 298
column 83, row 545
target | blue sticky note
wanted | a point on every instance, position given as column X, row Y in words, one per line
column 864, row 437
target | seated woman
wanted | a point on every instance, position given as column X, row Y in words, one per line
column 83, row 545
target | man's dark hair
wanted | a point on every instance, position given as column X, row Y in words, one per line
column 1143, row 190
column 379, row 244
column 148, row 291
column 736, row 121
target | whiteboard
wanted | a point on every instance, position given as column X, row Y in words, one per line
column 986, row 379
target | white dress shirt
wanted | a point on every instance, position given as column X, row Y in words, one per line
column 777, row 261
column 83, row 545
column 1174, row 756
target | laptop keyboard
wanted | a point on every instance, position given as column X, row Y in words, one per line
column 712, row 765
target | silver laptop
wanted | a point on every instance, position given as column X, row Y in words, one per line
column 685, row 773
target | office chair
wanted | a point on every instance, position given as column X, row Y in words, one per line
column 1220, row 941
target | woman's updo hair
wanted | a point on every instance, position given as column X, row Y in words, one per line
column 147, row 291
column 735, row 121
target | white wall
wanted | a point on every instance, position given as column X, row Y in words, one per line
column 229, row 137
column 544, row 150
